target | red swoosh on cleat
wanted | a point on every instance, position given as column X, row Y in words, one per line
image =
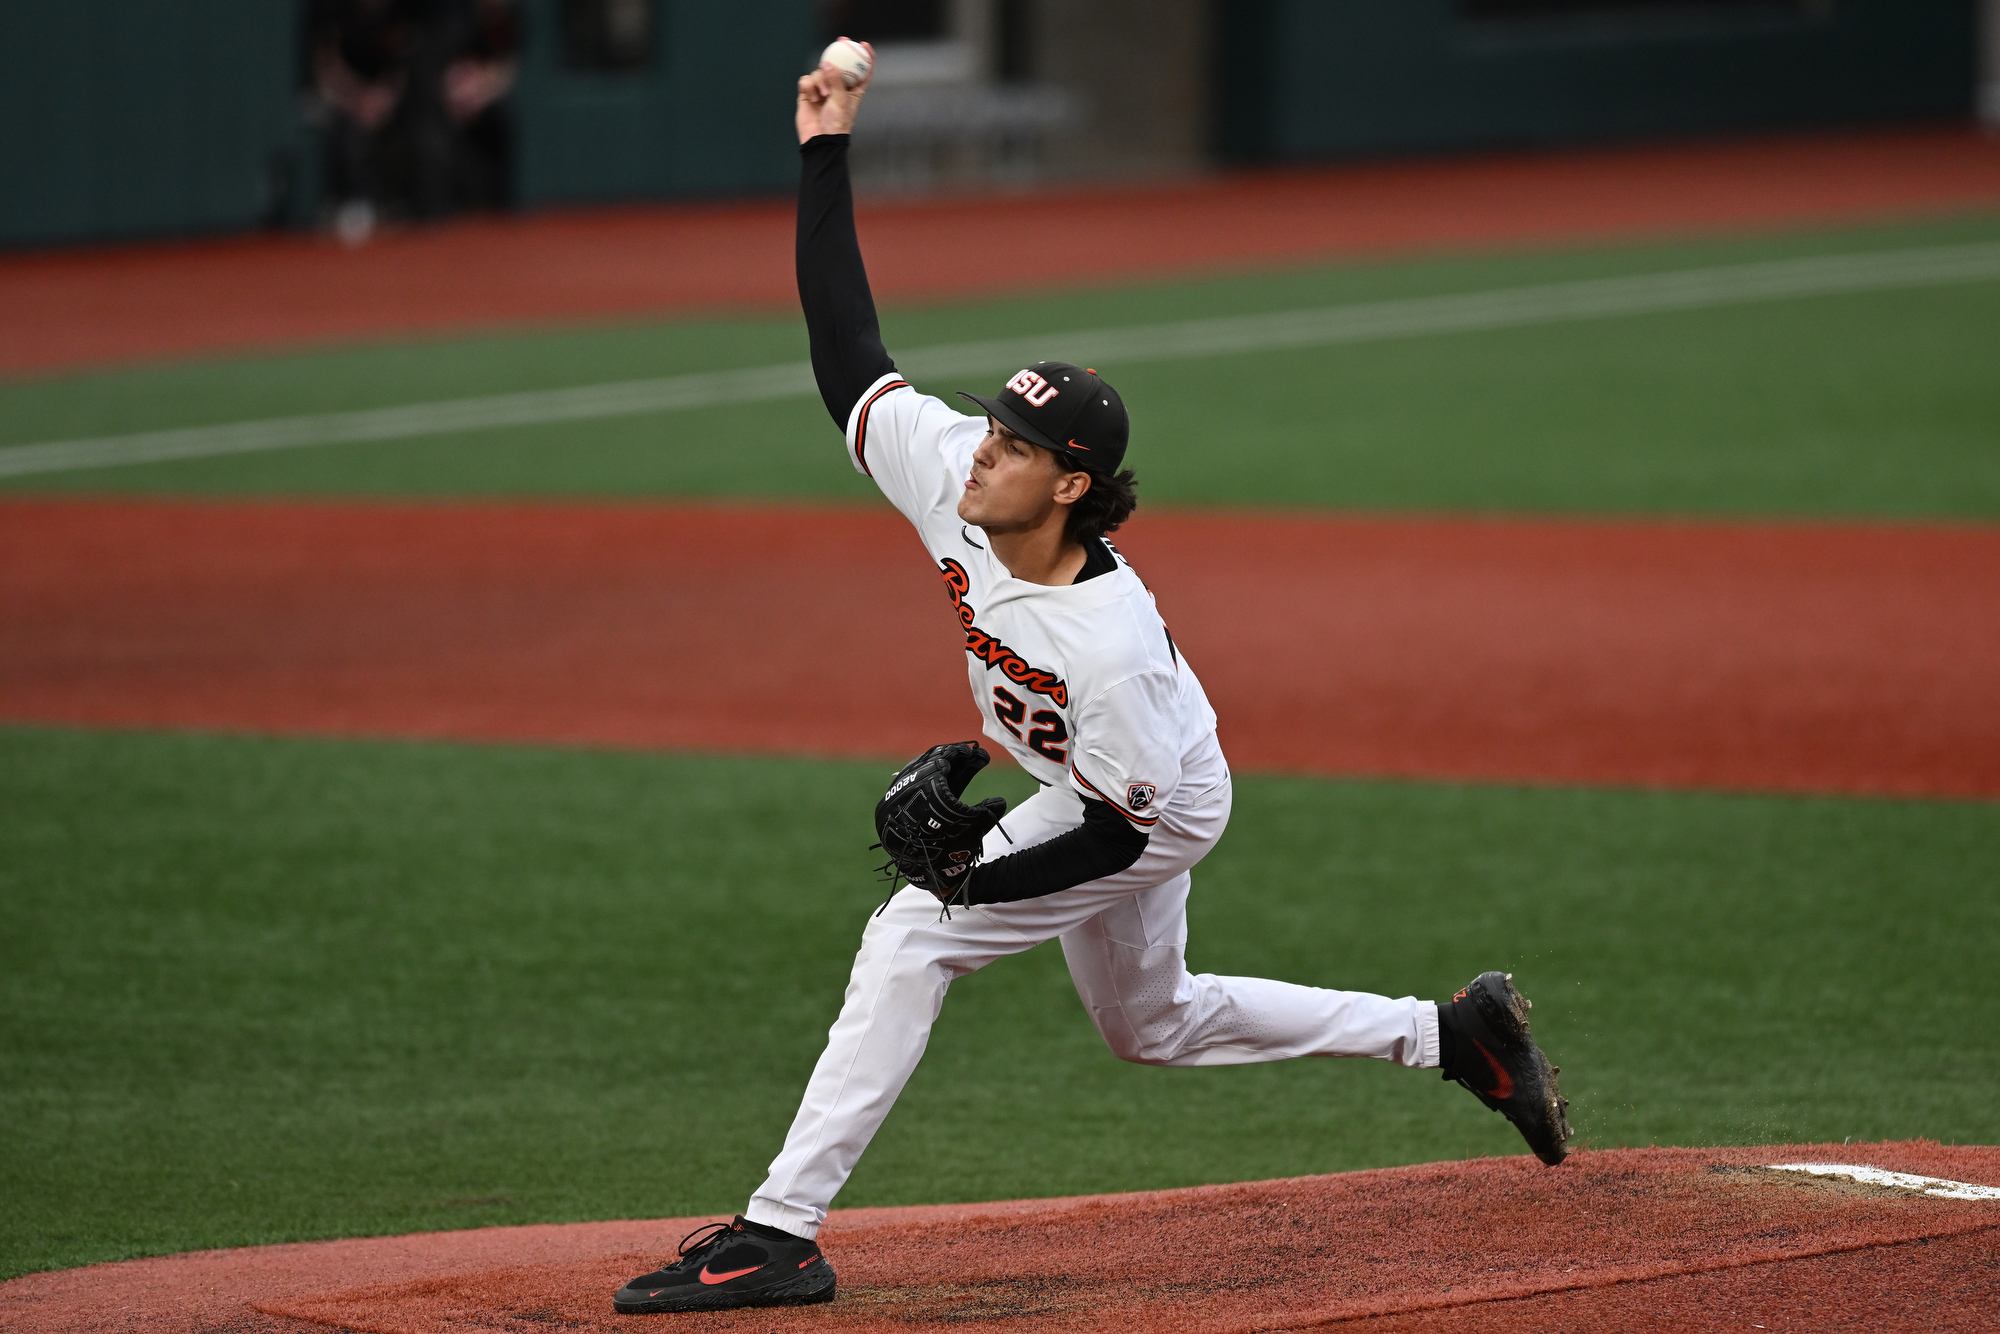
column 709, row 1278
column 1505, row 1089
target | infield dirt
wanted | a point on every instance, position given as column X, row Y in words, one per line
column 1805, row 657
column 1632, row 1239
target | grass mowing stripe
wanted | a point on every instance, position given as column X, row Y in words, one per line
column 1692, row 289
column 257, row 990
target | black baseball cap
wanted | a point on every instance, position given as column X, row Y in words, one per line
column 1059, row 406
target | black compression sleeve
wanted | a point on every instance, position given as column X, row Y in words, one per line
column 847, row 351
column 1104, row 844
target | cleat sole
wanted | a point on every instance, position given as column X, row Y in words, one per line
column 816, row 1285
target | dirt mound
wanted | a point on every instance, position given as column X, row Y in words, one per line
column 109, row 304
column 1793, row 657
column 1632, row 1239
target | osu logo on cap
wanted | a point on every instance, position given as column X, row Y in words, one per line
column 1140, row 795
column 1033, row 388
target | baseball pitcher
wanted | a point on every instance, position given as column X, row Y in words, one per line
column 1075, row 675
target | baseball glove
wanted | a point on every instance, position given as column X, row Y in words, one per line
column 933, row 838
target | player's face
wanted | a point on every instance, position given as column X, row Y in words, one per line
column 1015, row 486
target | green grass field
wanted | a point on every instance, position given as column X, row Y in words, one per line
column 1873, row 404
column 259, row 990
column 262, row 990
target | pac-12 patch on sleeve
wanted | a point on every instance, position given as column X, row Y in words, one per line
column 1140, row 795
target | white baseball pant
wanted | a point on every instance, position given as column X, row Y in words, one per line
column 1125, row 939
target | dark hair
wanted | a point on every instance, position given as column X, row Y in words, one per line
column 1109, row 502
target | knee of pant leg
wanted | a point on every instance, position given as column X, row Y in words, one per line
column 1164, row 1051
column 1156, row 1010
column 915, row 966
column 1124, row 1045
column 1162, row 1030
column 1125, row 1042
column 914, row 972
column 1153, row 1054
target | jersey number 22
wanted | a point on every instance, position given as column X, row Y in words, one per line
column 1046, row 738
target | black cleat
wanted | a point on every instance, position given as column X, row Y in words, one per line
column 728, row 1265
column 1486, row 1027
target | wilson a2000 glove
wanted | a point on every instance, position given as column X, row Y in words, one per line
column 933, row 838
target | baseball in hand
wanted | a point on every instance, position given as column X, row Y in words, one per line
column 850, row 58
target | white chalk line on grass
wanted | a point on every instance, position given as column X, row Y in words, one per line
column 1877, row 1176
column 1596, row 298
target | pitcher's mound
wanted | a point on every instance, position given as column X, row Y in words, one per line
column 1626, row 1239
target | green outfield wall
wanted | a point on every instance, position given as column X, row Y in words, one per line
column 710, row 114
column 135, row 118
column 141, row 117
column 138, row 118
column 1313, row 79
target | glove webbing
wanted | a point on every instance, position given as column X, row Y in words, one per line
column 892, row 873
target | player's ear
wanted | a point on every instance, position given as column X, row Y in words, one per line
column 1072, row 487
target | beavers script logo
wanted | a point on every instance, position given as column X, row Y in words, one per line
column 990, row 650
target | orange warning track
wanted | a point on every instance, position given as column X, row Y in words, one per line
column 82, row 307
column 1634, row 1239
column 1784, row 657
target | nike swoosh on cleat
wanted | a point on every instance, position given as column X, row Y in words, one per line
column 1505, row 1089
column 712, row 1279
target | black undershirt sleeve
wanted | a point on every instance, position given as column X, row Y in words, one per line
column 846, row 340
column 1104, row 844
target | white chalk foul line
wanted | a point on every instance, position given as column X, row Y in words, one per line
column 1876, row 1176
column 1598, row 298
column 626, row 399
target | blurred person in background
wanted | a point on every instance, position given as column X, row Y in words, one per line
column 360, row 54
column 477, row 86
column 413, row 100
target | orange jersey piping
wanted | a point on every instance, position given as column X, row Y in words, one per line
column 861, row 424
column 1139, row 820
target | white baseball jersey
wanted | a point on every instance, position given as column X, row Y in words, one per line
column 1080, row 682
